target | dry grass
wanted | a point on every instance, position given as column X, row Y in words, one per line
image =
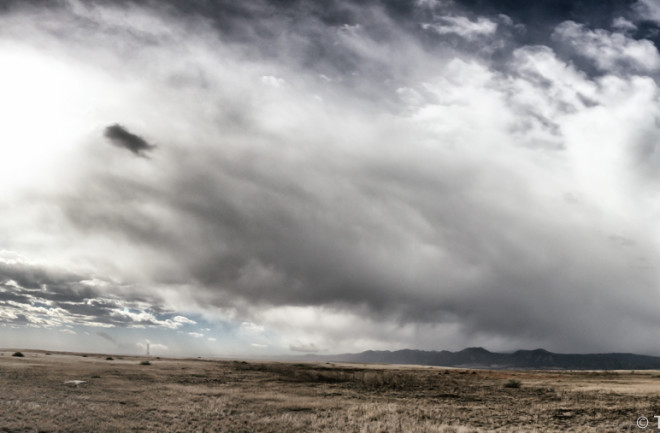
column 196, row 395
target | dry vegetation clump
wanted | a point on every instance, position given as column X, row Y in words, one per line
column 261, row 397
column 513, row 383
column 360, row 378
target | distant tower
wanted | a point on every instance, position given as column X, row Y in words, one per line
column 147, row 349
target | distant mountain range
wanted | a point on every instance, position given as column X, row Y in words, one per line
column 477, row 357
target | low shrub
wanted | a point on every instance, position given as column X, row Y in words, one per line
column 19, row 354
column 513, row 383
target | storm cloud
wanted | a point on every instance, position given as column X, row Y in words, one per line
column 432, row 174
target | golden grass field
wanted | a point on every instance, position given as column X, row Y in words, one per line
column 201, row 395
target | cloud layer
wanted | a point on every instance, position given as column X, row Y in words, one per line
column 423, row 174
column 34, row 295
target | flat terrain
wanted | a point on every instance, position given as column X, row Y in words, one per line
column 197, row 395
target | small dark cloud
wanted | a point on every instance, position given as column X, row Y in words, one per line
column 121, row 137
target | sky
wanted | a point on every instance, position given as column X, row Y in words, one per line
column 282, row 177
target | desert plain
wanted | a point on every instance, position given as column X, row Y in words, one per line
column 68, row 392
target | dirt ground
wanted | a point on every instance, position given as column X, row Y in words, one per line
column 200, row 395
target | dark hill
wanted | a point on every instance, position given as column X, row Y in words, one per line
column 478, row 357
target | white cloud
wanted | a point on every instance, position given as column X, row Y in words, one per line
column 183, row 320
column 647, row 10
column 624, row 25
column 463, row 26
column 196, row 334
column 272, row 81
column 610, row 52
column 252, row 327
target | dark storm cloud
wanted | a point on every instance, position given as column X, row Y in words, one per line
column 121, row 137
column 419, row 237
column 406, row 169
